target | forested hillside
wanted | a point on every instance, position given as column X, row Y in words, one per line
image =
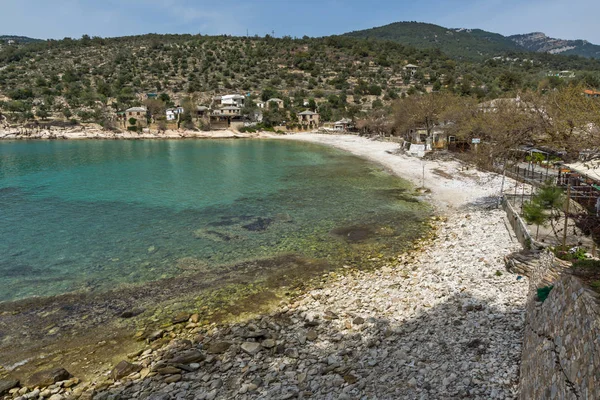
column 90, row 79
column 475, row 44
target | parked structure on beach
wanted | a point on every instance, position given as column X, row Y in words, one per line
column 343, row 125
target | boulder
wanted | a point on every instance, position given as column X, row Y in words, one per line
column 188, row 357
column 251, row 347
column 48, row 377
column 124, row 369
column 218, row 347
column 7, row 384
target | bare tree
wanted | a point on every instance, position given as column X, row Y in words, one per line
column 422, row 111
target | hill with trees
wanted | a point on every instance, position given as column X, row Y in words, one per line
column 475, row 44
column 91, row 79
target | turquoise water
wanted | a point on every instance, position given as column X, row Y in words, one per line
column 94, row 215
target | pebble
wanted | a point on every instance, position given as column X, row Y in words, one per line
column 435, row 323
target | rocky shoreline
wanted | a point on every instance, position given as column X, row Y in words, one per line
column 442, row 321
column 96, row 132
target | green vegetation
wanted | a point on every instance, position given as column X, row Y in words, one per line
column 477, row 44
column 462, row 44
column 90, row 79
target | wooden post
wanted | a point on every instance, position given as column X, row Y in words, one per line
column 567, row 213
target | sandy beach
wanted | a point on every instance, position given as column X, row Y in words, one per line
column 442, row 321
column 452, row 184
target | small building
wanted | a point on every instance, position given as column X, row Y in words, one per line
column 226, row 117
column 260, row 104
column 231, row 110
column 140, row 114
column 280, row 104
column 236, row 100
column 411, row 68
column 174, row 113
column 343, row 125
column 202, row 112
column 436, row 140
column 308, row 119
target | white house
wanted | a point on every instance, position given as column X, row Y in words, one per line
column 173, row 113
column 235, row 100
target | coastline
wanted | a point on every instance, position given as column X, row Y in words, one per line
column 451, row 184
column 381, row 316
column 85, row 132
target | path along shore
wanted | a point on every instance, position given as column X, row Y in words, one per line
column 441, row 322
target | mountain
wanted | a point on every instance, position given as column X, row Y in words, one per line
column 457, row 43
column 539, row 42
column 17, row 39
column 475, row 44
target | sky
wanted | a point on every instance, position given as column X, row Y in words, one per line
column 574, row 19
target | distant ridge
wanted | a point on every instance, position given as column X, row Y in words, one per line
column 18, row 39
column 539, row 42
column 475, row 44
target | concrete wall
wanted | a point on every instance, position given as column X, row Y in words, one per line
column 561, row 347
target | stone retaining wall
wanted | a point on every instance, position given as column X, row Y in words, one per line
column 519, row 227
column 561, row 348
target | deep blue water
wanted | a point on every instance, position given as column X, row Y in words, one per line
column 93, row 215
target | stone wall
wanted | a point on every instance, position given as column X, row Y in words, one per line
column 519, row 226
column 561, row 348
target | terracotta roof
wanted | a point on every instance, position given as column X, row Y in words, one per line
column 591, row 92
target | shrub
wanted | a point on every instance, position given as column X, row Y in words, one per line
column 587, row 263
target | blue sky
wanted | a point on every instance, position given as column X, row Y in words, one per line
column 575, row 19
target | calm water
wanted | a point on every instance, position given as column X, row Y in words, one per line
column 93, row 215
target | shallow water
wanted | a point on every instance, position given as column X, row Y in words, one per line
column 94, row 215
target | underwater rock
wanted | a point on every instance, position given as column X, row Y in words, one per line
column 260, row 224
column 131, row 313
column 191, row 264
column 354, row 234
column 214, row 235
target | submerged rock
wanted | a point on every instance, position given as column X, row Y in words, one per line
column 260, row 224
column 354, row 234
